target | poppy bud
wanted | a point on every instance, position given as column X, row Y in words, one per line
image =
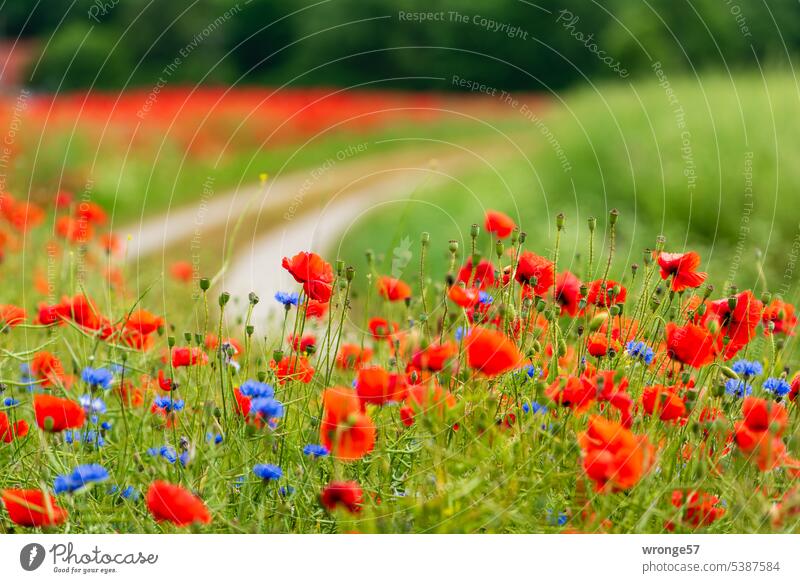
column 204, row 283
column 701, row 310
column 253, row 298
column 613, row 216
column 614, row 310
column 198, row 339
column 515, row 236
column 499, row 248
column 261, row 376
column 560, row 219
column 562, row 347
column 728, row 372
column 597, row 321
column 170, row 341
column 249, row 329
column 732, row 302
column 718, row 390
column 540, row 305
column 187, row 336
column 339, row 267
column 224, row 298
column 592, row 224
column 766, row 297
column 522, row 236
column 277, row 355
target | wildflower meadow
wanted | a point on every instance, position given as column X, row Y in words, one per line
column 507, row 393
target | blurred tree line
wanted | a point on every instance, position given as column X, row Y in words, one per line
column 123, row 43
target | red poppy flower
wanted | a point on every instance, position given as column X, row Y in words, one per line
column 144, row 322
column 49, row 315
column 347, row 432
column 11, row 315
column 691, row 344
column 665, row 401
column 737, row 324
column 782, row 316
column 110, row 243
column 392, row 289
column 601, row 293
column 483, row 276
column 56, row 414
column 293, row 368
column 573, row 392
column 682, row 267
column 426, row 399
column 347, row 495
column 80, row 310
column 377, row 386
column 434, row 356
column 532, row 267
column 598, row 345
column 613, row 457
column 74, row 230
column 8, row 431
column 759, row 433
column 211, row 342
column 607, row 388
column 182, row 271
column 47, row 368
column 32, row 508
column 169, row 502
column 316, row 309
column 304, row 343
column 188, row 356
column 313, row 272
column 491, row 352
column 382, row 329
column 568, row 293
column 464, row 297
column 499, row 223
column 353, row 357
column 91, row 213
column 700, row 508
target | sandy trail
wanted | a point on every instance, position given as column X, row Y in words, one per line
column 303, row 211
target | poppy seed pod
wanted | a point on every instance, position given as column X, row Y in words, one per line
column 252, row 298
column 560, row 220
column 592, row 224
column 224, row 298
column 204, row 283
column 613, row 216
column 474, row 230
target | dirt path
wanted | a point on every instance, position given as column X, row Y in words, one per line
column 304, row 210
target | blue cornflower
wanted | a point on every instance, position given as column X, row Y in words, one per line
column 738, row 388
column 560, row 519
column 461, row 332
column 640, row 350
column 286, row 491
column 267, row 472
column 777, row 386
column 748, row 368
column 254, row 389
column 315, row 451
column 80, row 436
column 80, row 478
column 10, row 402
column 96, row 405
column 485, row 298
column 214, row 437
column 534, row 407
column 97, row 377
column 185, row 458
column 287, row 298
column 106, row 425
column 130, row 493
column 168, row 404
column 532, row 372
column 267, row 407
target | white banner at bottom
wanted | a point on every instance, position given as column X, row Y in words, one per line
column 400, row 558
